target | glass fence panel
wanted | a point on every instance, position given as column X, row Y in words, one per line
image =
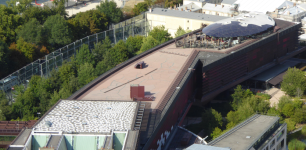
column 92, row 41
column 110, row 34
column 101, row 36
column 119, row 34
column 85, row 40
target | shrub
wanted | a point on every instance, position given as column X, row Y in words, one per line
column 295, row 144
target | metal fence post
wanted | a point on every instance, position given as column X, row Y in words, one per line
column 73, row 48
column 123, row 33
column 132, row 29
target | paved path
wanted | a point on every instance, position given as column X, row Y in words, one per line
column 276, row 95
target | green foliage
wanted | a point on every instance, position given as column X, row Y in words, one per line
column 3, row 58
column 87, row 23
column 257, row 104
column 160, row 34
column 283, row 101
column 9, row 22
column 112, row 12
column 28, row 49
column 210, row 120
column 303, row 130
column 21, row 7
column 264, row 96
column 149, row 3
column 84, row 55
column 294, row 82
column 288, row 110
column 86, row 73
column 290, row 125
column 239, row 95
column 65, row 72
column 119, row 52
column 39, row 13
column 299, row 115
column 134, row 44
column 216, row 133
column 56, row 31
column 139, row 8
column 148, row 43
column 295, row 144
column 101, row 48
column 297, row 103
column 31, row 31
column 105, row 65
column 180, row 31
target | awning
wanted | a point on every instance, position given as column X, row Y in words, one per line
column 276, row 80
column 302, row 37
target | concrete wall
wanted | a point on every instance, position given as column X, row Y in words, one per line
column 173, row 23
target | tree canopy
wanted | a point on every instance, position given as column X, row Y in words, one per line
column 294, row 82
column 112, row 12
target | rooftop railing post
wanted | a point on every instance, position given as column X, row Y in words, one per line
column 114, row 35
column 123, row 33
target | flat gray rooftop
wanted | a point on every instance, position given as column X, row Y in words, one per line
column 237, row 139
column 22, row 138
column 188, row 15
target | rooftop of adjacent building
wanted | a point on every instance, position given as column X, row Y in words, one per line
column 88, row 117
column 187, row 15
column 262, row 6
column 229, row 2
column 244, row 135
column 218, row 8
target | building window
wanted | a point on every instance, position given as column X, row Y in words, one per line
column 282, row 143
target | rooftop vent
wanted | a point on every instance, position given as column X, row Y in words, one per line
column 48, row 123
column 108, row 108
column 248, row 137
column 68, row 116
column 84, row 123
column 75, row 107
column 95, row 116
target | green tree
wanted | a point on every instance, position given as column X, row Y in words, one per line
column 86, row 73
column 180, row 31
column 31, row 31
column 104, row 65
column 101, row 48
column 148, row 43
column 216, row 133
column 87, row 23
column 139, row 8
column 288, row 110
column 65, row 72
column 3, row 59
column 283, row 101
column 56, row 31
column 10, row 21
column 299, row 115
column 21, row 7
column 232, row 116
column 112, row 12
column 295, row 144
column 134, row 44
column 297, row 103
column 294, row 82
column 29, row 50
column 244, row 111
column 119, row 52
column 210, row 120
column 239, row 95
column 84, row 55
column 160, row 34
column 258, row 104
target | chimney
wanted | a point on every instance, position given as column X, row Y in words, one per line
column 222, row 6
column 190, row 6
column 174, row 7
column 294, row 4
column 181, row 9
column 170, row 8
column 185, row 8
column 215, row 5
column 179, row 4
column 276, row 11
column 150, row 9
column 288, row 13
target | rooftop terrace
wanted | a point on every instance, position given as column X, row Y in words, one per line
column 161, row 68
column 89, row 116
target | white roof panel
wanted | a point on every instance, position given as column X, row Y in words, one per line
column 260, row 5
